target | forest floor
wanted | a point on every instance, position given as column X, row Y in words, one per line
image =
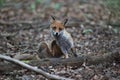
column 20, row 32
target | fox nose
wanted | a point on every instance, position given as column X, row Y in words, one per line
column 56, row 34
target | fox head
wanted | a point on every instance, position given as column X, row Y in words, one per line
column 57, row 27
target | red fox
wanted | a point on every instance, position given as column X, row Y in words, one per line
column 63, row 39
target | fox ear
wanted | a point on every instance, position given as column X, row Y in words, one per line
column 65, row 21
column 52, row 18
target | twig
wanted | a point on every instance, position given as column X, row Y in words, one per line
column 7, row 34
column 17, row 22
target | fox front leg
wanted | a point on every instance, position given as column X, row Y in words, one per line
column 65, row 52
column 66, row 56
column 73, row 50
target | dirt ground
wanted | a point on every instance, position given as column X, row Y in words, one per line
column 20, row 32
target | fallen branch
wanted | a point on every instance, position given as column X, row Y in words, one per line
column 45, row 74
column 20, row 24
column 78, row 61
column 17, row 22
column 73, row 61
column 71, row 23
column 39, row 24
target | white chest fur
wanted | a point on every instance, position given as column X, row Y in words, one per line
column 65, row 42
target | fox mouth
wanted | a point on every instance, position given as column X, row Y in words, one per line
column 56, row 35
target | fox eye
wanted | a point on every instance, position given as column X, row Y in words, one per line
column 60, row 29
column 54, row 28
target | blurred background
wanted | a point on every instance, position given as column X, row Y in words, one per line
column 95, row 10
column 94, row 25
column 90, row 21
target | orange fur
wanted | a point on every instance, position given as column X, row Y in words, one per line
column 56, row 51
column 57, row 26
column 45, row 51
